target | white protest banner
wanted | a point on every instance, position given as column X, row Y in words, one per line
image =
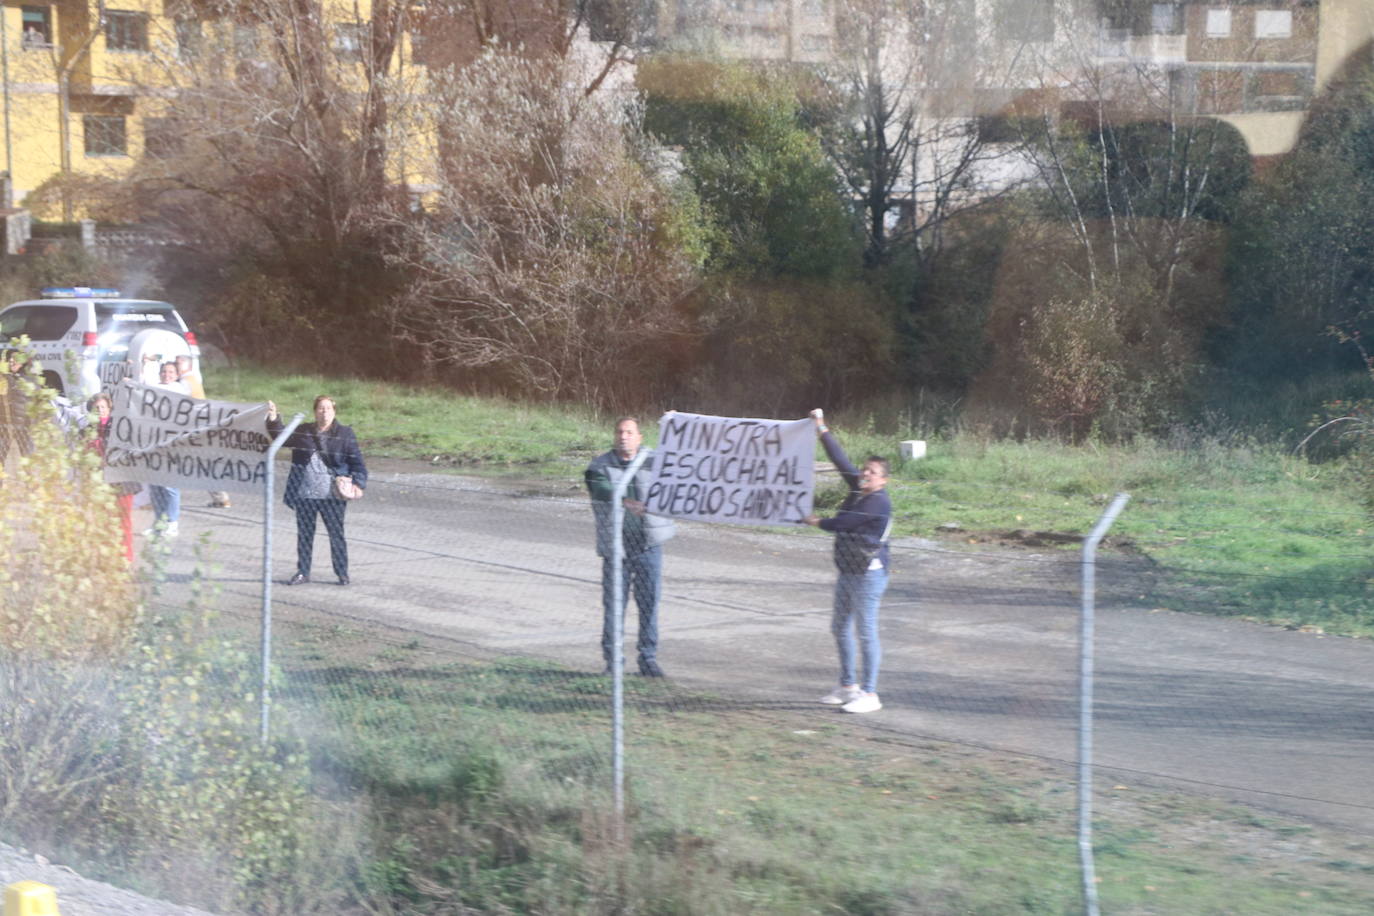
column 174, row 440
column 732, row 469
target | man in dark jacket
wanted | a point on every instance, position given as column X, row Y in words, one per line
column 320, row 452
column 861, row 529
column 643, row 535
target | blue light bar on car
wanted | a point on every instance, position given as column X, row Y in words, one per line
column 79, row 292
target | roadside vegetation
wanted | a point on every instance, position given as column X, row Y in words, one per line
column 405, row 779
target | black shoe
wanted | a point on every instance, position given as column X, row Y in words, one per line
column 649, row 668
column 343, row 580
column 298, row 579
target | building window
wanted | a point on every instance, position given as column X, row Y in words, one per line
column 1163, row 19
column 349, row 39
column 1273, row 23
column 188, row 38
column 998, row 128
column 126, row 30
column 162, row 137
column 1025, row 20
column 607, row 20
column 1219, row 23
column 104, row 135
column 37, row 30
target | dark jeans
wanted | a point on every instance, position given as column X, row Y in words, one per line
column 332, row 511
column 643, row 571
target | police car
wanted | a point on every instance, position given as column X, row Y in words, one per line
column 110, row 337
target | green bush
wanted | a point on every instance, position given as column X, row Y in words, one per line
column 126, row 739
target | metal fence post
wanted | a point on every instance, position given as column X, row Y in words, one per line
column 267, row 497
column 1085, row 703
column 618, row 634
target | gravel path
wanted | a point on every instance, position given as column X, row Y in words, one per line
column 78, row 896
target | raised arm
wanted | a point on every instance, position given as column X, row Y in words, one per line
column 834, row 451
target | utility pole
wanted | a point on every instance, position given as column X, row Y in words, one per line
column 64, row 83
column 5, row 77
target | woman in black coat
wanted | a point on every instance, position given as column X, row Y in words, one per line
column 324, row 457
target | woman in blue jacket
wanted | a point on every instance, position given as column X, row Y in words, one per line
column 324, row 457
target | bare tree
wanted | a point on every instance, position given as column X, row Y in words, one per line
column 1128, row 154
column 280, row 144
column 550, row 262
column 900, row 120
column 456, row 32
column 1101, row 317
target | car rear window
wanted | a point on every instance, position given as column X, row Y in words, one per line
column 126, row 319
column 40, row 322
column 147, row 314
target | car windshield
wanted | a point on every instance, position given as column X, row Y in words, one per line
column 39, row 322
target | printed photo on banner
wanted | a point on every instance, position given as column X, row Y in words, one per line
column 738, row 470
column 159, row 436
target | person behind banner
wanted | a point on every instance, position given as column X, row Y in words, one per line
column 187, row 374
column 325, row 458
column 643, row 535
column 166, row 500
column 102, row 407
column 861, row 529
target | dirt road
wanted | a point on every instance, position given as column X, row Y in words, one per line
column 978, row 648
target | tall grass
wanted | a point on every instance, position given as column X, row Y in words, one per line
column 430, row 424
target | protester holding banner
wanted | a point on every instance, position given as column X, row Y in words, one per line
column 191, row 378
column 166, row 500
column 165, row 438
column 643, row 536
column 124, row 492
column 325, row 463
column 861, row 529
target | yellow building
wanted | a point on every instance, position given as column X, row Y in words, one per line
column 71, row 88
column 82, row 94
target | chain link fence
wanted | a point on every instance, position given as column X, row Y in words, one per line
column 474, row 613
column 462, row 666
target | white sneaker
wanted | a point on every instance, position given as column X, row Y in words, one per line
column 864, row 702
column 171, row 530
column 841, row 695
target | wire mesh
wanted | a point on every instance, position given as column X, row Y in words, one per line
column 480, row 602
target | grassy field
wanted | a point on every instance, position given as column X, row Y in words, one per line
column 1237, row 528
column 489, row 781
column 409, row 776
